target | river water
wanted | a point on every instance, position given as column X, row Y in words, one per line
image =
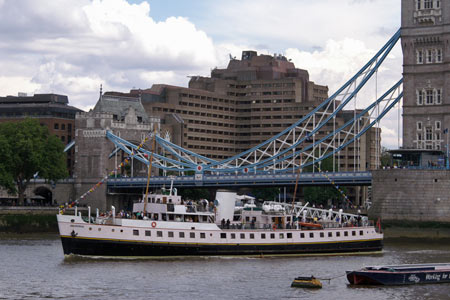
column 35, row 268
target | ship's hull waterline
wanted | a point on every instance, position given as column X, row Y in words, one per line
column 121, row 248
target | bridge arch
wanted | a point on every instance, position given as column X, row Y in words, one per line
column 42, row 195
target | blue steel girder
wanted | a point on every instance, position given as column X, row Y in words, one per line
column 226, row 180
column 389, row 99
column 294, row 147
column 316, row 117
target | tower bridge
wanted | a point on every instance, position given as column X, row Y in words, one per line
column 316, row 139
column 277, row 160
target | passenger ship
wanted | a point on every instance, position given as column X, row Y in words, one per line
column 172, row 227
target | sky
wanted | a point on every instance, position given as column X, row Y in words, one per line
column 72, row 47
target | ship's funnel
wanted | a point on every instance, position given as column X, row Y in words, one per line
column 224, row 203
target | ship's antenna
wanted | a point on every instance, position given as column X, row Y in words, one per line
column 150, row 169
column 296, row 184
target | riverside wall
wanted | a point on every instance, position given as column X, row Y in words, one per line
column 31, row 219
column 411, row 198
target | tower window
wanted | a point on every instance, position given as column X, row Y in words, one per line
column 429, row 56
column 438, row 136
column 419, row 125
column 419, row 97
column 438, row 96
column 419, row 56
column 429, row 134
column 427, row 4
column 438, row 125
column 429, row 99
column 439, row 55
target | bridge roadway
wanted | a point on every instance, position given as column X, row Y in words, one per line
column 243, row 180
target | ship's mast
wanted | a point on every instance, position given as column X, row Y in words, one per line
column 296, row 184
column 149, row 169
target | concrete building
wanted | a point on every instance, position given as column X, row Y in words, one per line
column 238, row 107
column 245, row 104
column 51, row 110
column 425, row 36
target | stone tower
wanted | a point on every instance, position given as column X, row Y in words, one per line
column 94, row 153
column 425, row 37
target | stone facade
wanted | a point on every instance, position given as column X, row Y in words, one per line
column 126, row 118
column 425, row 37
column 413, row 195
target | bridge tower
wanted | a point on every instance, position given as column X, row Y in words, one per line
column 96, row 157
column 425, row 36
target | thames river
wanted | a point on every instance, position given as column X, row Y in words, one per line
column 35, row 268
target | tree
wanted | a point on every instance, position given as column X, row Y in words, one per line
column 27, row 148
column 385, row 159
column 321, row 194
column 194, row 194
column 268, row 194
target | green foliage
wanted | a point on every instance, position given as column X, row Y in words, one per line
column 266, row 193
column 194, row 194
column 385, row 158
column 321, row 194
column 26, row 147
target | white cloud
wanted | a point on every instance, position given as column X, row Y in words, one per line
column 71, row 47
column 110, row 42
column 302, row 24
column 11, row 85
column 167, row 77
column 338, row 61
column 389, row 137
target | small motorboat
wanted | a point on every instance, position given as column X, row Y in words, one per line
column 306, row 282
column 401, row 274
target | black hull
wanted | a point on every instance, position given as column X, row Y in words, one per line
column 98, row 247
column 397, row 278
